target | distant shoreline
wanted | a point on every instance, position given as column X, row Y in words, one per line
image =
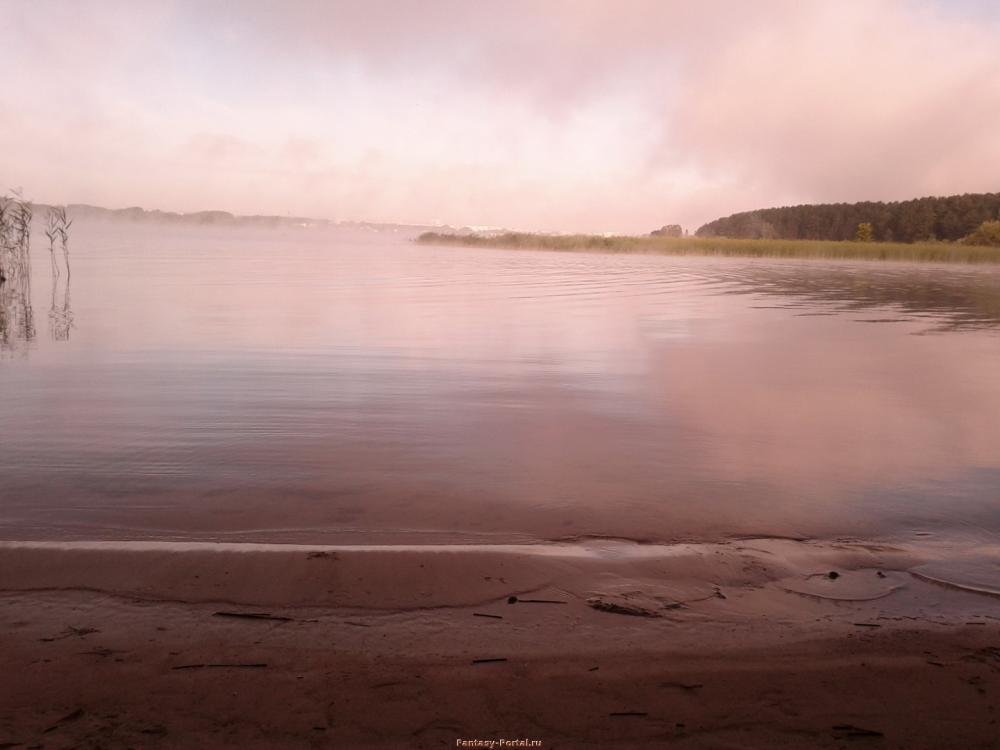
column 212, row 218
column 933, row 252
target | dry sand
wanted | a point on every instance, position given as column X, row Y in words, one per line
column 742, row 644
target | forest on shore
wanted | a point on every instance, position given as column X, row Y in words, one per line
column 948, row 218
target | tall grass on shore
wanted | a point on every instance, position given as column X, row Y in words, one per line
column 937, row 252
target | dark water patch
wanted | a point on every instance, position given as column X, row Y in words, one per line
column 981, row 576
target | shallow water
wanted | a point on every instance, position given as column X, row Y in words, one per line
column 349, row 386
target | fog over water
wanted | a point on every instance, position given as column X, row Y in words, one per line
column 350, row 386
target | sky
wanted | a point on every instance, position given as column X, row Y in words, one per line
column 552, row 115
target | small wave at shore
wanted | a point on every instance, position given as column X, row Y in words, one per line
column 401, row 577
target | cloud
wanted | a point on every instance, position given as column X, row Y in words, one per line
column 574, row 115
column 847, row 102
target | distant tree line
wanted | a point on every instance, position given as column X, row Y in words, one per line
column 668, row 230
column 948, row 218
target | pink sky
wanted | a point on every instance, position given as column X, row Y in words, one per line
column 572, row 115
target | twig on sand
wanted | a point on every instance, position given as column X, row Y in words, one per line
column 487, row 661
column 70, row 632
column 257, row 665
column 685, row 686
column 628, row 713
column 65, row 720
column 483, row 614
column 619, row 608
column 850, row 730
column 253, row 616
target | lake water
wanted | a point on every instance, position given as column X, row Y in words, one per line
column 349, row 386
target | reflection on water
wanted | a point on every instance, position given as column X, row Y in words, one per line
column 949, row 299
column 351, row 386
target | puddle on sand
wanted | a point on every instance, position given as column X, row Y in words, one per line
column 981, row 575
column 850, row 586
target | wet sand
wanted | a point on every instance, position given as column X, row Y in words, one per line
column 745, row 643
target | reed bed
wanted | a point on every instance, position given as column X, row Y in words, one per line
column 17, row 323
column 57, row 230
column 934, row 252
column 16, row 215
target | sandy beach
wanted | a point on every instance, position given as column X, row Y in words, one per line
column 594, row 643
column 554, row 375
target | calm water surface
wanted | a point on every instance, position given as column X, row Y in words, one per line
column 350, row 386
